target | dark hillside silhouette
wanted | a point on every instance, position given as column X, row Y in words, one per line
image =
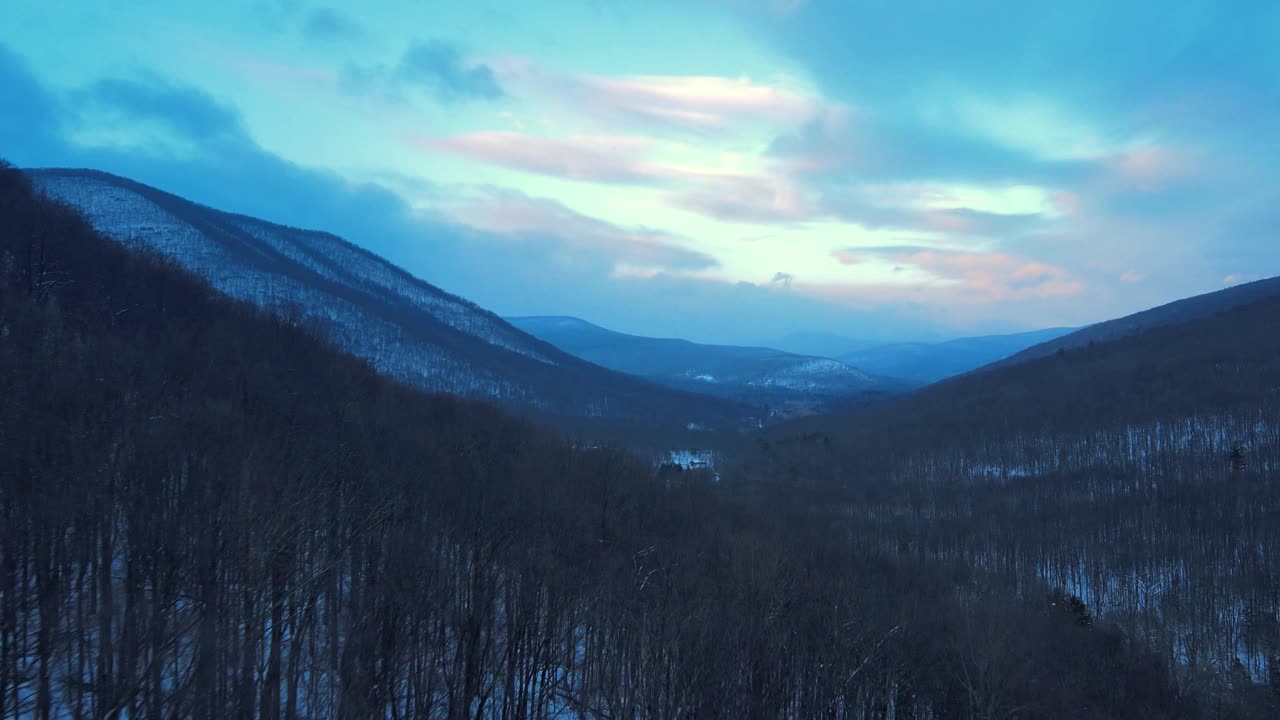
column 1142, row 474
column 1174, row 313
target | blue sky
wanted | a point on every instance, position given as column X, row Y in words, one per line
column 723, row 170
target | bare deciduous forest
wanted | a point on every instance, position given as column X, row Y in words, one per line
column 1138, row 475
column 207, row 512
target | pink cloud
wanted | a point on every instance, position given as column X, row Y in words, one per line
column 847, row 257
column 745, row 198
column 592, row 159
column 1241, row 278
column 520, row 216
column 699, row 101
column 830, row 141
column 905, row 207
column 1065, row 202
column 691, row 102
column 951, row 222
column 1150, row 168
column 977, row 276
column 728, row 196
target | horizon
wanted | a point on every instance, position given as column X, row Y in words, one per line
column 729, row 171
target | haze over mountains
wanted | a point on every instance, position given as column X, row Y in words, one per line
column 926, row 362
column 749, row 371
column 732, row 371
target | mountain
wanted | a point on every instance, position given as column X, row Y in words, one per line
column 741, row 372
column 929, row 362
column 1181, row 311
column 1215, row 363
column 405, row 327
column 1124, row 471
column 828, row 345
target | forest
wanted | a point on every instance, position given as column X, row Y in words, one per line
column 209, row 512
column 1137, row 474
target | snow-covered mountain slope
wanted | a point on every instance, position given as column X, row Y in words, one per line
column 404, row 326
column 721, row 369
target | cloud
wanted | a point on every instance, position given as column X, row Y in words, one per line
column 435, row 67
column 847, row 143
column 783, row 279
column 847, row 256
column 761, row 197
column 740, row 197
column 926, row 208
column 780, row 199
column 1240, row 278
column 1150, row 168
column 625, row 160
column 591, row 159
column 1066, row 202
column 185, row 110
column 515, row 214
column 439, row 67
column 746, row 198
column 699, row 103
column 1155, row 148
column 873, row 52
column 980, row 276
column 327, row 25
column 32, row 119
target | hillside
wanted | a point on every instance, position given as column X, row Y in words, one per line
column 1139, row 473
column 1213, row 363
column 406, row 327
column 1181, row 311
column 748, row 373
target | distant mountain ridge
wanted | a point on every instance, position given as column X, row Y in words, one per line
column 933, row 361
column 820, row 344
column 404, row 326
column 728, row 370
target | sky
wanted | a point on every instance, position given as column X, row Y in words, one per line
column 720, row 170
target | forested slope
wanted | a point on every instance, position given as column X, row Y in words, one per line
column 1186, row 310
column 365, row 305
column 1142, row 474
column 206, row 512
